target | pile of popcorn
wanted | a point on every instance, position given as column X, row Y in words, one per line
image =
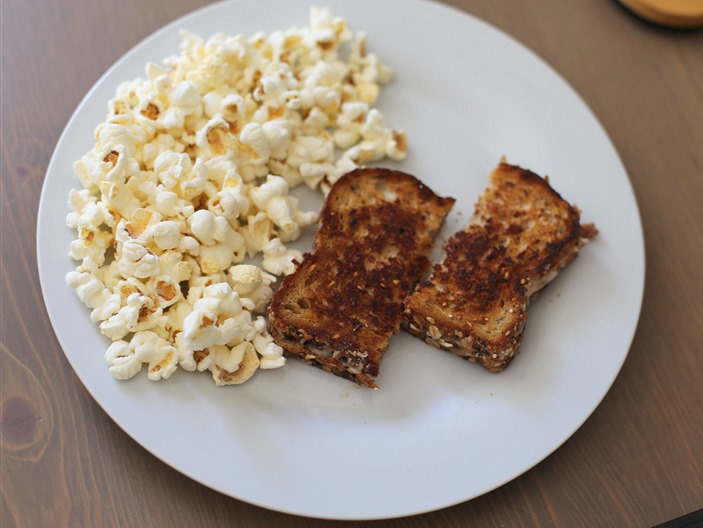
column 190, row 175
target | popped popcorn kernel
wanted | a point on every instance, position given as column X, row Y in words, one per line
column 158, row 353
column 278, row 259
column 191, row 173
column 235, row 366
column 123, row 362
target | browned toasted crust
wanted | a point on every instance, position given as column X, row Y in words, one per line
column 474, row 304
column 340, row 307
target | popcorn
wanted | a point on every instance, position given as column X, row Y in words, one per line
column 197, row 285
column 350, row 121
column 341, row 167
column 110, row 306
column 215, row 138
column 222, row 171
column 185, row 100
column 273, row 199
column 118, row 198
column 91, row 290
column 140, row 313
column 217, row 258
column 160, row 144
column 124, row 363
column 397, row 145
column 169, row 204
column 78, row 202
column 203, row 225
column 192, row 171
column 92, row 243
column 377, row 141
column 164, row 290
column 118, row 140
column 127, row 287
column 212, row 320
column 109, row 275
column 252, row 285
column 278, row 259
column 123, row 166
column 271, row 353
column 175, row 315
column 274, row 187
column 90, row 170
column 235, row 366
column 136, row 260
column 255, row 138
column 257, row 232
column 220, row 244
column 172, row 264
column 188, row 245
column 160, row 355
column 230, row 203
column 229, row 359
column 278, row 134
column 166, row 235
column 191, row 360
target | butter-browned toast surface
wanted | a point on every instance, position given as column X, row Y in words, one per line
column 340, row 307
column 475, row 302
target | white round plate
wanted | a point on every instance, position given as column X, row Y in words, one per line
column 440, row 430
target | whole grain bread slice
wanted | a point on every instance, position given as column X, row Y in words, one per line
column 344, row 301
column 475, row 301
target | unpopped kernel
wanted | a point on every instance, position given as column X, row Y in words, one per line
column 191, row 173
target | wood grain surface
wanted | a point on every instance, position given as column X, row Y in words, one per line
column 638, row 460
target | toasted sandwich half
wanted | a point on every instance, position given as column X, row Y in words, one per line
column 343, row 303
column 475, row 301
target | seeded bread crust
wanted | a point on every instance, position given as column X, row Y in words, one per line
column 344, row 301
column 475, row 302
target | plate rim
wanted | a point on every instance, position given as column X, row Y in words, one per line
column 157, row 34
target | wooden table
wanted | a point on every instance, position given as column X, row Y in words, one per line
column 638, row 460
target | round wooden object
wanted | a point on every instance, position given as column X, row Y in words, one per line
column 672, row 13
